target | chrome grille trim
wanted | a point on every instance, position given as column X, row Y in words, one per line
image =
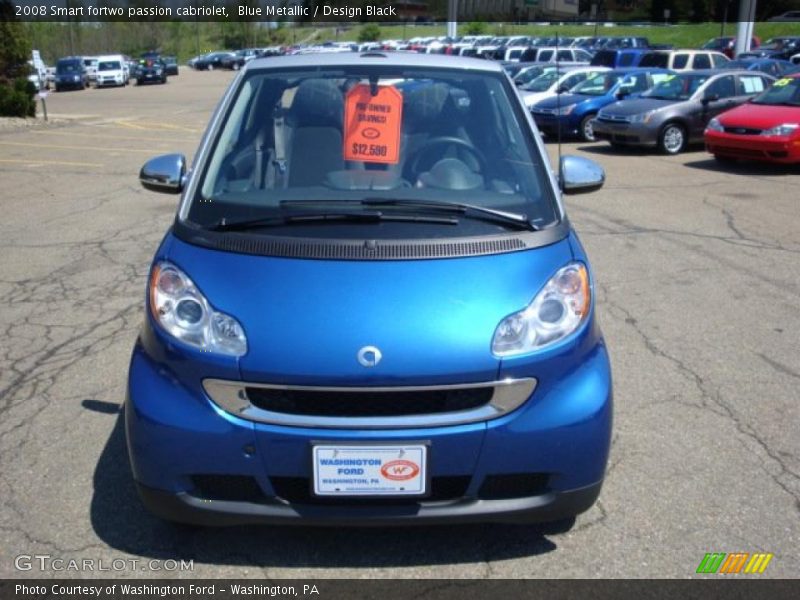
column 231, row 397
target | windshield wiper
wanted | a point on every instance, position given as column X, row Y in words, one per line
column 471, row 211
column 338, row 216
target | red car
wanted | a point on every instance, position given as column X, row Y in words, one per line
column 767, row 128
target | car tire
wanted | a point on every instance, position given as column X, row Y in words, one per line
column 672, row 139
column 210, row 67
column 586, row 130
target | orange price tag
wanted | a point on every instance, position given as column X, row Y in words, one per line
column 372, row 124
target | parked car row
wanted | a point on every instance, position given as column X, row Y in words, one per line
column 740, row 113
column 110, row 70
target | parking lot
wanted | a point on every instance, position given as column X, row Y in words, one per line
column 698, row 270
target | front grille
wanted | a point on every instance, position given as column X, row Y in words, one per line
column 513, row 485
column 743, row 130
column 232, row 488
column 368, row 403
column 613, row 118
column 297, row 490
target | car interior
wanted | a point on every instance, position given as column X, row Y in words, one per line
column 286, row 136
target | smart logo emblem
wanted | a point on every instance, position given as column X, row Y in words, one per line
column 400, row 470
column 369, row 356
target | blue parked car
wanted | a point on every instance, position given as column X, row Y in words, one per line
column 371, row 307
column 770, row 66
column 574, row 112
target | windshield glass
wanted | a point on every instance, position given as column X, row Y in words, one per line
column 543, row 82
column 677, row 87
column 597, row 85
column 109, row 65
column 783, row 92
column 528, row 75
column 68, row 66
column 353, row 135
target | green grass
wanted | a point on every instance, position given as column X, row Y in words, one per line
column 680, row 36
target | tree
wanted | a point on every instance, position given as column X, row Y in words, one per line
column 476, row 28
column 369, row 33
column 16, row 92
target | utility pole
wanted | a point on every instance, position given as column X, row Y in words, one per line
column 744, row 31
column 452, row 18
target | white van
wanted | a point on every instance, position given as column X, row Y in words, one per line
column 111, row 71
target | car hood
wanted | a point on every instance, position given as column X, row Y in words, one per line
column 564, row 100
column 637, row 106
column 306, row 320
column 760, row 116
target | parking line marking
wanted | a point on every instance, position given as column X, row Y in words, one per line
column 109, row 137
column 34, row 163
column 100, row 149
column 157, row 126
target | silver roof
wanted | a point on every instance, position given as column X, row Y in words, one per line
column 389, row 59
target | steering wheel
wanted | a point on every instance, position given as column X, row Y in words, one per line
column 445, row 140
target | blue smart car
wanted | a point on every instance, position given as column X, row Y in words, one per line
column 371, row 308
column 575, row 112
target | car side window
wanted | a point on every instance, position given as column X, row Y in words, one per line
column 544, row 55
column 639, row 83
column 718, row 60
column 573, row 80
column 626, row 60
column 680, row 61
column 582, row 55
column 751, row 84
column 565, row 55
column 701, row 61
column 724, row 87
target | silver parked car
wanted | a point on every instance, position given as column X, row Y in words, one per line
column 676, row 111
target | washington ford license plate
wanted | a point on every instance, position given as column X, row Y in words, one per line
column 370, row 470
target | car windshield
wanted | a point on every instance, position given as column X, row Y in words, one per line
column 784, row 92
column 677, row 87
column 68, row 67
column 346, row 138
column 543, row 82
column 528, row 75
column 109, row 65
column 598, row 85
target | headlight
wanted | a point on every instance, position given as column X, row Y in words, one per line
column 179, row 307
column 642, row 117
column 785, row 129
column 158, row 71
column 555, row 312
column 565, row 110
column 715, row 125
column 76, row 78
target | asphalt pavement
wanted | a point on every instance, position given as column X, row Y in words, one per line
column 698, row 271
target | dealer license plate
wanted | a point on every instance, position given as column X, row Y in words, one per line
column 370, row 470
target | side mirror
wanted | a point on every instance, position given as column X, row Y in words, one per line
column 563, row 89
column 164, row 173
column 710, row 98
column 623, row 92
column 580, row 175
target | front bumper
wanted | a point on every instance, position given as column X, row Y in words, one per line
column 618, row 132
column 195, row 463
column 550, row 124
column 185, row 508
column 753, row 147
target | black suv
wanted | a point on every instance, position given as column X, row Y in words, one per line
column 151, row 69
